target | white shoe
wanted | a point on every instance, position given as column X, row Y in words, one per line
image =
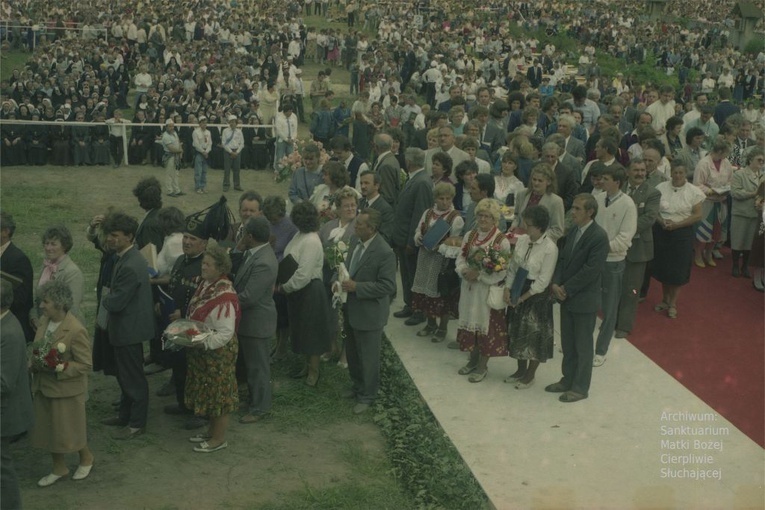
column 82, row 472
column 48, row 480
column 598, row 360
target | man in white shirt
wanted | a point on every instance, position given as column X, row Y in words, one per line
column 202, row 142
column 617, row 214
column 701, row 99
column 233, row 143
column 662, row 109
column 285, row 131
column 117, row 137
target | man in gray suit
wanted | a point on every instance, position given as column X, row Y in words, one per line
column 370, row 191
column 576, row 285
column 446, row 140
column 388, row 168
column 646, row 199
column 372, row 270
column 130, row 322
column 254, row 284
column 15, row 397
column 415, row 198
column 573, row 145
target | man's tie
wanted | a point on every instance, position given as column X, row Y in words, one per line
column 608, row 201
column 363, row 204
column 289, row 129
column 356, row 257
column 632, row 190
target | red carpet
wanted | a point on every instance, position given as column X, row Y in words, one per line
column 715, row 346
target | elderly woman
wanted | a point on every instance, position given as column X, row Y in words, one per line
column 481, row 330
column 57, row 241
column 60, row 388
column 211, row 388
column 282, row 231
column 506, row 185
column 541, row 191
column 712, row 177
column 306, row 297
column 427, row 298
column 680, row 208
column 530, row 317
column 441, row 168
column 745, row 219
column 332, row 233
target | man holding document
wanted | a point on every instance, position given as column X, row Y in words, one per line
column 370, row 282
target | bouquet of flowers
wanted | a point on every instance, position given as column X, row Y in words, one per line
column 287, row 166
column 489, row 260
column 335, row 254
column 184, row 333
column 47, row 358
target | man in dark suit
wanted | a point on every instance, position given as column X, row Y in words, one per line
column 370, row 191
column 14, row 262
column 646, row 198
column 149, row 194
column 254, row 284
column 565, row 158
column 342, row 150
column 372, row 280
column 16, row 399
column 130, row 322
column 180, row 285
column 388, row 168
column 725, row 108
column 415, row 198
column 576, row 285
column 567, row 183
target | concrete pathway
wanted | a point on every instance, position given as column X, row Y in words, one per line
column 634, row 443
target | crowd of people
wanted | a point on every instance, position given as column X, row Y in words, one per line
column 496, row 180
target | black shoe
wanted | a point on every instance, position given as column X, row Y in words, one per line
column 114, row 422
column 176, row 410
column 403, row 313
column 416, row 318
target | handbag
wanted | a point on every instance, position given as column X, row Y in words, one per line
column 496, row 297
column 448, row 279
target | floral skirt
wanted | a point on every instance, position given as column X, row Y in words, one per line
column 491, row 344
column 211, row 388
column 530, row 329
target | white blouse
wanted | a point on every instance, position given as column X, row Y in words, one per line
column 677, row 203
column 172, row 248
column 504, row 186
column 307, row 251
column 538, row 258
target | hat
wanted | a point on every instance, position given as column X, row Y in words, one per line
column 213, row 222
column 169, row 122
column 232, row 117
column 202, row 118
column 433, row 63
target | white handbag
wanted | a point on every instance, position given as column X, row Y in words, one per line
column 496, row 298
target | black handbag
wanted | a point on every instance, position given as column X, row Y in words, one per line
column 448, row 280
